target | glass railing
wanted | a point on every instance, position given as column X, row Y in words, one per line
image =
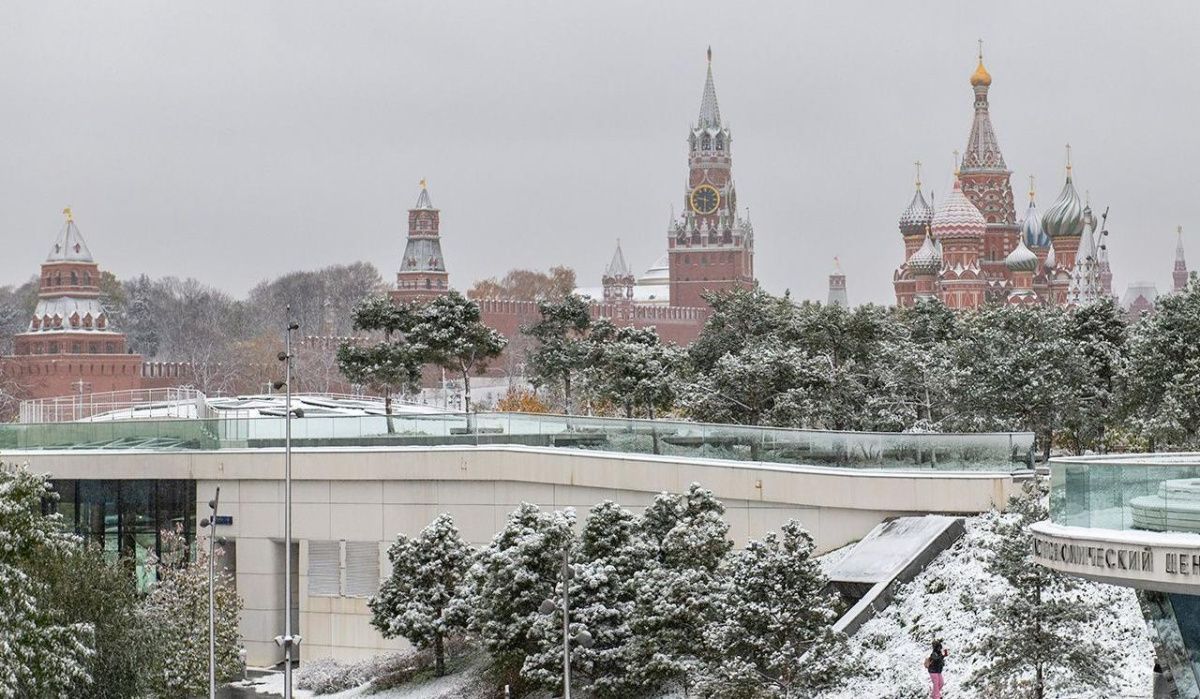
column 1156, row 492
column 1004, row 451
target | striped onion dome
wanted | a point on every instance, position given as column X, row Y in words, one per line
column 1032, row 232
column 917, row 216
column 957, row 217
column 926, row 260
column 1021, row 259
column 1064, row 218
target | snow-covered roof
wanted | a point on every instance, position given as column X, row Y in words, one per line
column 64, row 307
column 69, row 245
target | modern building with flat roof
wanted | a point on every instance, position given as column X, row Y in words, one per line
column 1134, row 520
column 361, row 477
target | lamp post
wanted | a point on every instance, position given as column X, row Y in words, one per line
column 212, row 615
column 287, row 640
column 583, row 638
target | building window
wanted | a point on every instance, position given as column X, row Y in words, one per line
column 362, row 569
column 74, row 278
column 324, row 568
column 76, row 348
column 94, row 347
column 53, row 348
column 110, row 348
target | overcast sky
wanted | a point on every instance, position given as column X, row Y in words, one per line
column 236, row 141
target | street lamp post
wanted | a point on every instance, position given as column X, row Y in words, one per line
column 212, row 615
column 287, row 640
column 583, row 638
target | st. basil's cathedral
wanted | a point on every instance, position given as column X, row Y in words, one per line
column 971, row 250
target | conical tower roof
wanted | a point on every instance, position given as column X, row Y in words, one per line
column 423, row 200
column 69, row 245
column 917, row 216
column 983, row 150
column 617, row 267
column 710, row 113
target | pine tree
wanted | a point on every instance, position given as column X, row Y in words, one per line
column 561, row 352
column 417, row 601
column 632, row 368
column 392, row 364
column 1098, row 331
column 773, row 636
column 41, row 653
column 1036, row 641
column 519, row 570
column 685, row 540
column 601, row 594
column 177, row 609
column 454, row 337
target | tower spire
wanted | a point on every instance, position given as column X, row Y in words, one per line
column 1031, row 188
column 918, row 165
column 710, row 113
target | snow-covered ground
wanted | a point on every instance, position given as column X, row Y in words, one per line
column 946, row 601
column 462, row 685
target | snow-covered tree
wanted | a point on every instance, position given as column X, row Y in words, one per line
column 601, row 594
column 41, row 653
column 177, row 610
column 455, row 338
column 109, row 602
column 417, row 601
column 685, row 540
column 1098, row 331
column 632, row 368
column 1035, row 640
column 1159, row 396
column 773, row 636
column 391, row 364
column 562, row 349
column 510, row 579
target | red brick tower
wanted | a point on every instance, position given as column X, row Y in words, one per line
column 985, row 181
column 422, row 274
column 709, row 248
column 70, row 346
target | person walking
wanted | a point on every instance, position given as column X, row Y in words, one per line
column 934, row 664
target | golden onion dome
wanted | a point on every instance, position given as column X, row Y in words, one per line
column 981, row 76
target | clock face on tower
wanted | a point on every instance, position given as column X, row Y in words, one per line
column 705, row 199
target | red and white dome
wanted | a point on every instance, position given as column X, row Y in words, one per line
column 957, row 217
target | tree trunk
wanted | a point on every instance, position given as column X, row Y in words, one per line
column 653, row 427
column 628, row 410
column 466, row 390
column 567, row 393
column 387, row 409
column 439, row 656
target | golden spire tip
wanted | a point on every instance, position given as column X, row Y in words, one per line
column 69, row 216
column 422, row 183
column 918, row 164
column 1031, row 188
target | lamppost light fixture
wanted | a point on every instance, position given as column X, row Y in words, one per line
column 282, row 356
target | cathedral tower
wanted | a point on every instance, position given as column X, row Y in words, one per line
column 422, row 274
column 837, row 286
column 1179, row 275
column 710, row 248
column 985, row 182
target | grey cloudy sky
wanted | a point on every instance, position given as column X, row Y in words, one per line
column 235, row 141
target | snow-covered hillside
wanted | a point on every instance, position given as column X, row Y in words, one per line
column 947, row 601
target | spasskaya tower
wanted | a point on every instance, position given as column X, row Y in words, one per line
column 710, row 248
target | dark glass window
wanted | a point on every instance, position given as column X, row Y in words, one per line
column 98, row 517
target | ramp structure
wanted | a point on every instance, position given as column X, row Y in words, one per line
column 889, row 556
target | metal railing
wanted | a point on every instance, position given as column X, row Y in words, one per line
column 86, row 405
column 1002, row 451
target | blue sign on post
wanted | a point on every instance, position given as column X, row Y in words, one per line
column 224, row 520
